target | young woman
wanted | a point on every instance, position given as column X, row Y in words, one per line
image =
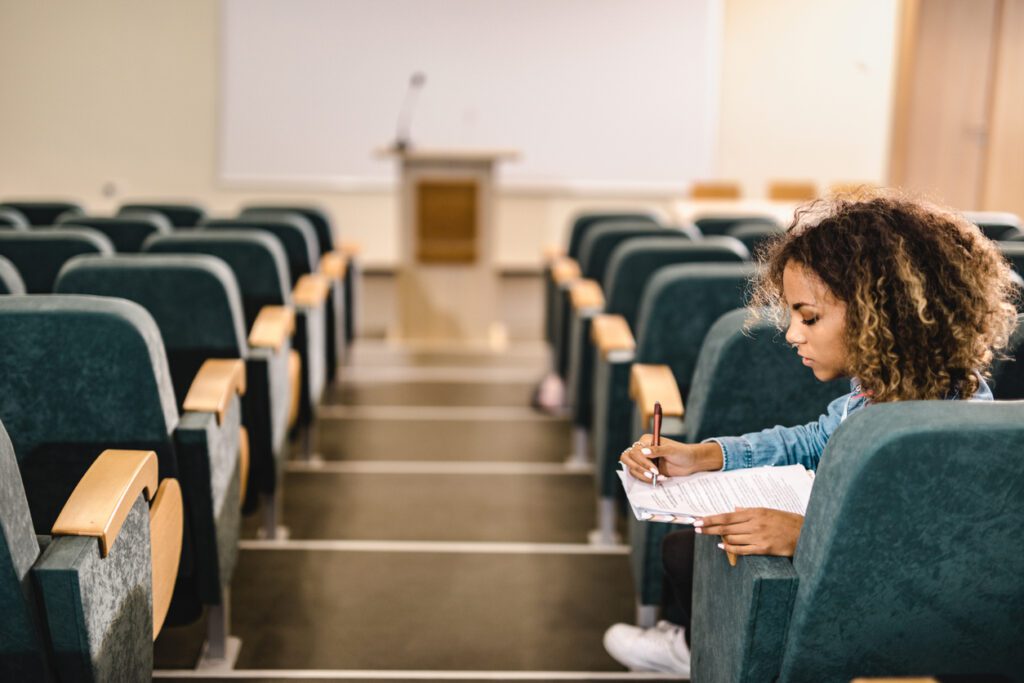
column 907, row 299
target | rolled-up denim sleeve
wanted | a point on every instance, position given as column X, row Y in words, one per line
column 800, row 445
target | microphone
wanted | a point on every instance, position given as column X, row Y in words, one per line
column 416, row 82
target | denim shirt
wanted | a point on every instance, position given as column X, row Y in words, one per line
column 803, row 444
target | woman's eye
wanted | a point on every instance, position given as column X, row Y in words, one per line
column 810, row 321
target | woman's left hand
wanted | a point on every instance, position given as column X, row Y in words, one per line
column 754, row 531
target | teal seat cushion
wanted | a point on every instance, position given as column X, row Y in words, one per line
column 180, row 214
column 44, row 212
column 294, row 232
column 12, row 219
column 126, row 233
column 316, row 216
column 10, row 279
column 1013, row 252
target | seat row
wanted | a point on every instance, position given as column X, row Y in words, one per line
column 647, row 312
column 205, row 351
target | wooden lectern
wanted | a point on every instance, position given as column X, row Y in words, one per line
column 447, row 280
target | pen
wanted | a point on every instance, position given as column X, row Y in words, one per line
column 657, row 436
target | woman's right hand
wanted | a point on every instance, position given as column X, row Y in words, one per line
column 671, row 458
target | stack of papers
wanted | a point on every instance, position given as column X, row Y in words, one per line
column 681, row 500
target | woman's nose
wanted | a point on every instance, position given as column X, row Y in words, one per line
column 793, row 338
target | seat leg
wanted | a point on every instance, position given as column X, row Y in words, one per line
column 580, row 456
column 220, row 651
column 646, row 615
column 605, row 533
column 271, row 529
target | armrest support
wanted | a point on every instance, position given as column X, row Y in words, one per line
column 350, row 249
column 166, row 521
column 103, row 498
column 613, row 338
column 553, row 252
column 740, row 614
column 586, row 295
column 650, row 383
column 564, row 270
column 333, row 264
column 311, row 290
column 273, row 325
column 216, row 382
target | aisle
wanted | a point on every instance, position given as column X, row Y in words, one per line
column 437, row 536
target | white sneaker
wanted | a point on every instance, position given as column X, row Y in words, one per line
column 661, row 648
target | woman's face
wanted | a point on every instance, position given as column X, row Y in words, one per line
column 817, row 323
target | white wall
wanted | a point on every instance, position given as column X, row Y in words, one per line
column 807, row 89
column 127, row 92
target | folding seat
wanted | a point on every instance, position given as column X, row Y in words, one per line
column 722, row 223
column 81, row 374
column 905, row 562
column 1007, row 379
column 340, row 267
column 181, row 215
column 10, row 279
column 562, row 268
column 746, row 379
column 595, row 250
column 195, row 301
column 996, row 225
column 85, row 600
column 126, row 233
column 311, row 294
column 1013, row 251
column 677, row 308
column 44, row 213
column 39, row 254
column 12, row 219
column 753, row 235
column 633, row 262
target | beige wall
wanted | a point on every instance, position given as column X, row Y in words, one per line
column 126, row 93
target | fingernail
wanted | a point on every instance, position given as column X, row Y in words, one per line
column 698, row 522
column 645, row 451
column 721, row 546
column 654, row 469
column 697, row 530
column 648, row 475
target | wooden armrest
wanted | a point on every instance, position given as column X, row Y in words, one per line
column 586, row 295
column 564, row 270
column 552, row 252
column 333, row 264
column 311, row 290
column 104, row 496
column 273, row 325
column 166, row 520
column 216, row 382
column 350, row 249
column 650, row 383
column 612, row 336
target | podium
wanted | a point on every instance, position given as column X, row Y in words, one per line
column 447, row 279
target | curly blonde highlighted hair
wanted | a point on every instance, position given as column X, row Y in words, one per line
column 929, row 299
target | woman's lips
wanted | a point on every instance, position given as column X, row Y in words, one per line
column 806, row 361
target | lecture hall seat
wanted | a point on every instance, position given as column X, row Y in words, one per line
column 44, row 212
column 126, row 233
column 40, row 254
column 180, row 214
column 10, row 279
column 903, row 564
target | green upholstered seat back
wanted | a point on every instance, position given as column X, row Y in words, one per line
column 127, row 233
column 748, row 379
column 79, row 374
column 1013, row 251
column 908, row 560
column 996, row 225
column 636, row 260
column 754, row 235
column 316, row 216
column 193, row 298
column 12, row 219
column 21, row 651
column 181, row 215
column 43, row 213
column 39, row 254
column 10, row 279
column 679, row 306
column 257, row 260
column 1007, row 380
column 721, row 224
column 584, row 223
column 601, row 242
column 294, row 232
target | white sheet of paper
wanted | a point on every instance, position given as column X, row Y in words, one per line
column 679, row 499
